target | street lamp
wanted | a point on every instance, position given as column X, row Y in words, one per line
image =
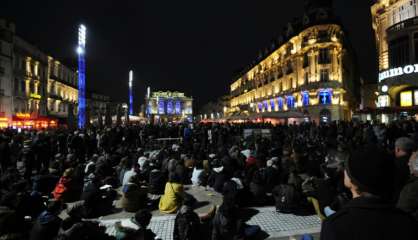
column 131, row 98
column 81, row 49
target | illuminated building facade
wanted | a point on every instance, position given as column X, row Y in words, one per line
column 168, row 107
column 395, row 23
column 308, row 74
column 62, row 90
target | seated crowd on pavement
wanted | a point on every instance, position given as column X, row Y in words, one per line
column 361, row 179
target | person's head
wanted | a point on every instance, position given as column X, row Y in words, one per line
column 142, row 218
column 189, row 200
column 413, row 164
column 369, row 171
column 404, row 146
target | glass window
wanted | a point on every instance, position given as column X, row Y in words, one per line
column 260, row 107
column 178, row 107
column 170, row 109
column 324, row 56
column 305, row 98
column 383, row 101
column 290, row 102
column 272, row 105
column 324, row 75
column 280, row 103
column 416, row 97
column 325, row 97
column 161, row 107
column 406, row 99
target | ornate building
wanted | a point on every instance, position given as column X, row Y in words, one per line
column 309, row 73
column 395, row 23
column 62, row 90
column 168, row 107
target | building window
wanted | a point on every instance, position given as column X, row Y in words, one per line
column 325, row 97
column 272, row 105
column 290, row 102
column 306, row 78
column 305, row 60
column 324, row 56
column 305, row 99
column 324, row 75
column 383, row 101
column 178, row 107
column 280, row 103
column 170, row 109
column 161, row 107
column 289, row 68
column 399, row 52
column 406, row 99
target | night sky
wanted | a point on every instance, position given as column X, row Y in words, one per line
column 188, row 45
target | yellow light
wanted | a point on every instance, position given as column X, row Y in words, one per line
column 406, row 99
column 23, row 115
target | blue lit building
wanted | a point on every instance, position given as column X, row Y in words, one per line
column 168, row 107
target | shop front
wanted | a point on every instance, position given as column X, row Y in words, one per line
column 28, row 121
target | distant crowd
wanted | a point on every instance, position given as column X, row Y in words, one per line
column 361, row 179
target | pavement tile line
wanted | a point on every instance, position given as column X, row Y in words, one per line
column 275, row 224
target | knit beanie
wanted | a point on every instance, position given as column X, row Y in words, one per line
column 372, row 170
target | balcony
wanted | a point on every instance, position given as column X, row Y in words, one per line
column 403, row 25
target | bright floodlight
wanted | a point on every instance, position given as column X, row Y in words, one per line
column 82, row 31
column 80, row 50
column 131, row 76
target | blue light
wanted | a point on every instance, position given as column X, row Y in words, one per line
column 260, row 107
column 81, row 90
column 325, row 96
column 273, row 106
column 178, row 107
column 170, row 109
column 305, row 98
column 290, row 102
column 280, row 103
column 266, row 105
column 161, row 107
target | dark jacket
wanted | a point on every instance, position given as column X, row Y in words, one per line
column 408, row 200
column 133, row 198
column 157, row 182
column 401, row 175
column 369, row 218
column 46, row 227
column 226, row 224
column 186, row 225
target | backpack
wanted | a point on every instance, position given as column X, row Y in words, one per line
column 287, row 198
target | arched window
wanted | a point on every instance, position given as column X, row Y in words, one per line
column 325, row 96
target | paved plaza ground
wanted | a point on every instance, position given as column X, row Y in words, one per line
column 273, row 224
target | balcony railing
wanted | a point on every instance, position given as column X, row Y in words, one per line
column 402, row 25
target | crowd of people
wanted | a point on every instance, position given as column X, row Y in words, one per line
column 361, row 179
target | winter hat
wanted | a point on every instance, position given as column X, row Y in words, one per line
column 371, row 169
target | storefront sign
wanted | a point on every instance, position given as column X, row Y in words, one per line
column 23, row 115
column 395, row 72
column 35, row 96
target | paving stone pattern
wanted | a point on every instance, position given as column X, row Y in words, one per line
column 275, row 224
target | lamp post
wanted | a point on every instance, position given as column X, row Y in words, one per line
column 81, row 76
column 131, row 98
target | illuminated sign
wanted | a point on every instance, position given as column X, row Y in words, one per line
column 383, row 101
column 395, row 72
column 4, row 119
column 23, row 115
column 406, row 99
column 35, row 96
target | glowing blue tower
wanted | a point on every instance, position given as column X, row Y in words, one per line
column 131, row 98
column 81, row 76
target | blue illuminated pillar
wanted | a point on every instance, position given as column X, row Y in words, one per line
column 81, row 76
column 131, row 98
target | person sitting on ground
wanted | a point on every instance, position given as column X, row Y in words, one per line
column 172, row 199
column 141, row 219
column 408, row 200
column 98, row 199
column 226, row 223
column 370, row 215
column 48, row 223
column 187, row 222
column 133, row 172
column 134, row 197
column 64, row 189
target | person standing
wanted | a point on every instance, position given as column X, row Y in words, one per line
column 403, row 150
column 370, row 214
column 408, row 199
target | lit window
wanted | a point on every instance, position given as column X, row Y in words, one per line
column 280, row 103
column 170, row 107
column 260, row 107
column 161, row 107
column 416, row 97
column 178, row 107
column 383, row 101
column 266, row 105
column 325, row 97
column 305, row 99
column 290, row 102
column 406, row 99
column 272, row 105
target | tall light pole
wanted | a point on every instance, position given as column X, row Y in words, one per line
column 81, row 49
column 131, row 98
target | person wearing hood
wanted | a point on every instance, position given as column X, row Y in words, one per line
column 48, row 223
column 134, row 197
column 369, row 174
column 187, row 222
column 172, row 199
